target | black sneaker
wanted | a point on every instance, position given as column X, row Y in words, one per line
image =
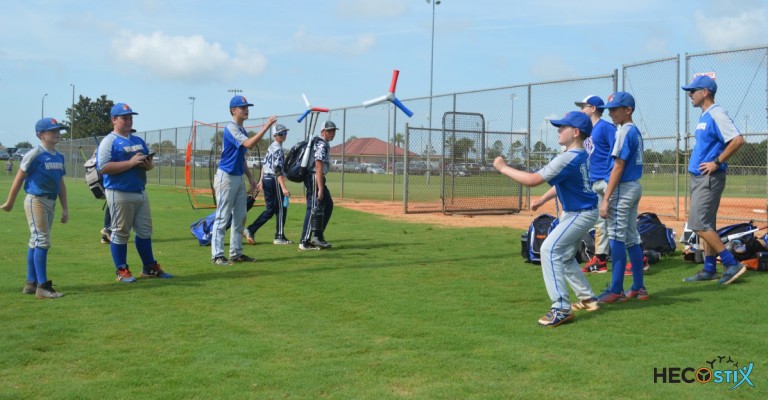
column 45, row 291
column 242, row 258
column 306, row 246
column 321, row 243
column 221, row 261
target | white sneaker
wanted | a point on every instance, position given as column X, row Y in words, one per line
column 320, row 243
column 307, row 247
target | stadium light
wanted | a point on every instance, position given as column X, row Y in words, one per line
column 72, row 117
column 42, row 106
column 193, row 108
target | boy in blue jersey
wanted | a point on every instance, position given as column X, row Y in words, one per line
column 42, row 173
column 273, row 186
column 124, row 160
column 717, row 139
column 622, row 198
column 229, row 187
column 568, row 173
column 599, row 146
column 319, row 200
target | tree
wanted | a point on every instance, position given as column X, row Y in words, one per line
column 398, row 139
column 164, row 147
column 24, row 145
column 90, row 117
column 494, row 151
column 351, row 138
column 459, row 149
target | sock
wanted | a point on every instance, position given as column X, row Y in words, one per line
column 144, row 247
column 710, row 264
column 727, row 258
column 619, row 254
column 41, row 264
column 636, row 258
column 119, row 254
column 602, row 257
column 31, row 274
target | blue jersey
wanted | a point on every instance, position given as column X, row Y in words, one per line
column 233, row 152
column 44, row 172
column 321, row 151
column 713, row 132
column 569, row 173
column 599, row 147
column 274, row 160
column 628, row 147
column 116, row 148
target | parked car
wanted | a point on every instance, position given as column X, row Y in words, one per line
column 375, row 170
column 19, row 154
column 202, row 162
column 4, row 155
column 253, row 162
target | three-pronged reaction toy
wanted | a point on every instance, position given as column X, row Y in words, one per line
column 390, row 96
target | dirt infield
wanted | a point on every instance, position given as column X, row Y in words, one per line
column 736, row 208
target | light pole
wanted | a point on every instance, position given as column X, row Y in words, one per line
column 193, row 108
column 235, row 91
column 431, row 72
column 512, row 97
column 72, row 111
column 42, row 106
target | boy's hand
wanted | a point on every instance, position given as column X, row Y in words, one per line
column 7, row 206
column 64, row 216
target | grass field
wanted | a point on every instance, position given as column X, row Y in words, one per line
column 394, row 310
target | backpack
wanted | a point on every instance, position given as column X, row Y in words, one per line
column 654, row 234
column 297, row 161
column 739, row 239
column 201, row 229
column 537, row 232
column 93, row 177
column 586, row 247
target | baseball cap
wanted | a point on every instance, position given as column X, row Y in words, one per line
column 576, row 119
column 239, row 101
column 590, row 100
column 619, row 99
column 701, row 82
column 48, row 124
column 329, row 125
column 278, row 128
column 121, row 109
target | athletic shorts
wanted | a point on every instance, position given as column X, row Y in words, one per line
column 706, row 191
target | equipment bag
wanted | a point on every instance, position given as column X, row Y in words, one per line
column 93, row 177
column 654, row 234
column 296, row 162
column 537, row 232
column 201, row 229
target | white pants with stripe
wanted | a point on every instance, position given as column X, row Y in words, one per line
column 231, row 203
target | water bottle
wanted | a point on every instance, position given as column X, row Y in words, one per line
column 286, row 201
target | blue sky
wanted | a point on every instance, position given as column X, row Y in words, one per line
column 155, row 54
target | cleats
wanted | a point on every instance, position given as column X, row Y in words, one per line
column 242, row 258
column 281, row 240
column 587, row 305
column 29, row 288
column 124, row 275
column 307, row 246
column 609, row 297
column 45, row 291
column 249, row 237
column 640, row 294
column 701, row 276
column 646, row 267
column 220, row 261
column 732, row 273
column 595, row 265
column 555, row 318
column 154, row 271
column 321, row 243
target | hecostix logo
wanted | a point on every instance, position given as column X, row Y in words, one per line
column 720, row 370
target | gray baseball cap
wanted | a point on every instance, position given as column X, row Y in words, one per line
column 329, row 125
column 280, row 128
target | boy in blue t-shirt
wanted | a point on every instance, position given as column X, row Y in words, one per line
column 622, row 198
column 42, row 173
column 568, row 173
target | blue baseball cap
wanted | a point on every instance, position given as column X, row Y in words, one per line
column 239, row 101
column 701, row 82
column 48, row 124
column 576, row 119
column 121, row 109
column 619, row 99
column 590, row 100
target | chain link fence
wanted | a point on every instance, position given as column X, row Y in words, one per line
column 514, row 123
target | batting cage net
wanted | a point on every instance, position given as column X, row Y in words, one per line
column 450, row 170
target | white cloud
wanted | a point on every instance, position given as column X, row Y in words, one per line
column 370, row 9
column 551, row 67
column 737, row 30
column 185, row 58
column 333, row 46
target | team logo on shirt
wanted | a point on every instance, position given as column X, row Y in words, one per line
column 54, row 166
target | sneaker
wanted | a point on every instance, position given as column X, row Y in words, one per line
column 105, row 235
column 29, row 288
column 221, row 261
column 124, row 275
column 595, row 265
column 640, row 294
column 242, row 258
column 701, row 276
column 555, row 318
column 282, row 240
column 588, row 305
column 732, row 273
column 609, row 297
column 321, row 243
column 45, row 291
column 646, row 267
column 154, row 271
column 306, row 246
column 249, row 237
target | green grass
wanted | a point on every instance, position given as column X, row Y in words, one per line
column 394, row 310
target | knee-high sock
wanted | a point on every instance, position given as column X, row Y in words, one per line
column 41, row 264
column 636, row 258
column 119, row 254
column 619, row 264
column 144, row 247
column 31, row 274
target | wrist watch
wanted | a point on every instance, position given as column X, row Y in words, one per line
column 717, row 161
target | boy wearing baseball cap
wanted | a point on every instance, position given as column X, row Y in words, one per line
column 568, row 174
column 42, row 173
column 272, row 184
column 622, row 198
column 319, row 200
